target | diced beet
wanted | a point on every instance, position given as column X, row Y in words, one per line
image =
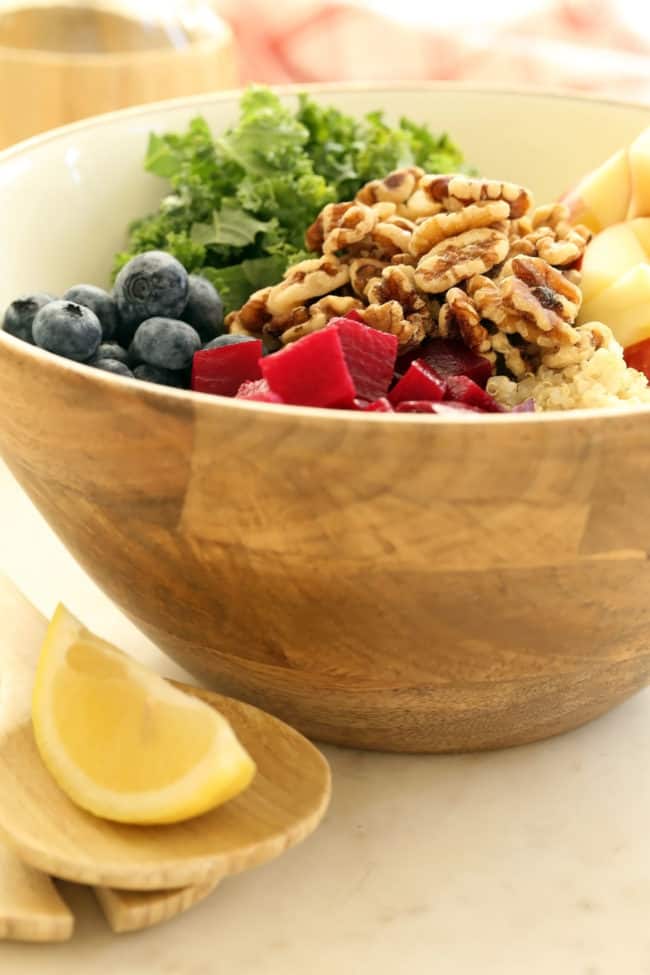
column 528, row 406
column 311, row 371
column 354, row 315
column 223, row 370
column 370, row 356
column 419, row 382
column 416, row 406
column 379, row 406
column 259, row 391
column 462, row 389
column 448, row 357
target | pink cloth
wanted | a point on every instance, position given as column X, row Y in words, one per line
column 579, row 45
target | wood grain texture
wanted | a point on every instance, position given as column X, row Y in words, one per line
column 31, row 908
column 135, row 910
column 382, row 582
column 284, row 804
column 52, row 88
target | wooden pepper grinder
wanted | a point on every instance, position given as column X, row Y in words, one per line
column 66, row 60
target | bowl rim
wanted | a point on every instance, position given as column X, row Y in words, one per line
column 215, row 402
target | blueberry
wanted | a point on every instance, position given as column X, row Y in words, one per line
column 100, row 302
column 151, row 285
column 110, row 350
column 165, row 342
column 223, row 340
column 67, row 329
column 163, row 377
column 21, row 313
column 204, row 308
column 112, row 365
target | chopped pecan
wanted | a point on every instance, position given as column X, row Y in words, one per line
column 396, row 282
column 536, row 300
column 432, row 230
column 457, row 258
column 515, row 361
column 422, row 202
column 591, row 337
column 362, row 269
column 389, row 317
column 307, row 279
column 548, row 233
column 550, row 215
column 396, row 187
column 339, row 225
column 459, row 316
column 391, row 236
column 251, row 318
column 404, row 259
column 319, row 314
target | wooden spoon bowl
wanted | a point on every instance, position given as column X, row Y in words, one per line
column 47, row 831
column 385, row 582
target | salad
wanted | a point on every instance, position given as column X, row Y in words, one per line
column 291, row 265
column 238, row 204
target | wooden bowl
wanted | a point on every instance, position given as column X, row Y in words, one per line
column 400, row 583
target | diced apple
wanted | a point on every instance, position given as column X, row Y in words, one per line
column 639, row 167
column 624, row 306
column 611, row 253
column 602, row 197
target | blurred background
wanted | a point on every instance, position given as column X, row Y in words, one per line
column 584, row 45
column 61, row 60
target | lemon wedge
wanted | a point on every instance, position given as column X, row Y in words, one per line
column 123, row 743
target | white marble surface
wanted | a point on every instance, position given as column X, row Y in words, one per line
column 525, row 862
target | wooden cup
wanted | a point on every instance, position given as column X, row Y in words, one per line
column 47, row 88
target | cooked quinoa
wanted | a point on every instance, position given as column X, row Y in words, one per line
column 592, row 375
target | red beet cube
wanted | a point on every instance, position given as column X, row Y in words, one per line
column 354, row 315
column 451, row 358
column 259, row 391
column 223, row 370
column 419, row 382
column 379, row 406
column 416, row 406
column 370, row 356
column 311, row 372
column 462, row 389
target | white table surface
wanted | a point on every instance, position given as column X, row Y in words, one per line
column 532, row 861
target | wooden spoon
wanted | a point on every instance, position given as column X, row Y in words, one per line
column 285, row 803
column 31, row 908
column 134, row 910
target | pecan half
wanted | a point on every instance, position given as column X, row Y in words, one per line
column 362, row 269
column 515, row 361
column 307, row 279
column 318, row 315
column 251, row 318
column 397, row 281
column 457, row 258
column 459, row 316
column 536, row 300
column 396, row 187
column 429, row 232
column 467, row 190
column 339, row 225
